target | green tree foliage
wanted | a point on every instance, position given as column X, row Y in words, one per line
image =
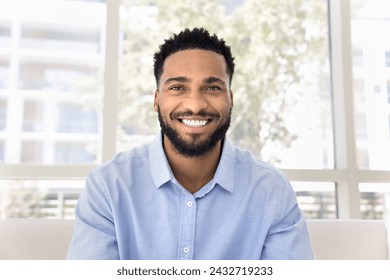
column 279, row 46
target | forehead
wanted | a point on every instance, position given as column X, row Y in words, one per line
column 194, row 62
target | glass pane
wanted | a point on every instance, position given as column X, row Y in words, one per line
column 39, row 198
column 371, row 73
column 60, row 37
column 1, row 150
column 282, row 96
column 375, row 200
column 32, row 151
column 75, row 152
column 76, row 118
column 52, row 76
column 48, row 75
column 3, row 113
column 33, row 115
column 317, row 200
column 4, row 72
column 5, row 33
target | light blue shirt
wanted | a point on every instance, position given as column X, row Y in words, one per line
column 133, row 208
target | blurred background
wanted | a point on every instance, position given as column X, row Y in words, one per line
column 311, row 89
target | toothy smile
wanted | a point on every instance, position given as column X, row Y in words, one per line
column 194, row 123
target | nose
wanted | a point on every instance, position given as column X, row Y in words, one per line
column 195, row 102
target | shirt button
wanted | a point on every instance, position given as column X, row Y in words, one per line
column 189, row 203
column 186, row 250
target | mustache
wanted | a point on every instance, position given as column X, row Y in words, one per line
column 201, row 113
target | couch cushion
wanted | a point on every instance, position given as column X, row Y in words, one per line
column 348, row 239
column 39, row 239
column 34, row 239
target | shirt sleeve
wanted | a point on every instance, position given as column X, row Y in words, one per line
column 93, row 235
column 288, row 238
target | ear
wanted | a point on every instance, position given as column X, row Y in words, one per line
column 231, row 99
column 156, row 92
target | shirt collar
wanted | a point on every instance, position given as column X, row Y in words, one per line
column 159, row 167
column 224, row 176
column 161, row 171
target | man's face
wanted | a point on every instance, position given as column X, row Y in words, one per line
column 194, row 101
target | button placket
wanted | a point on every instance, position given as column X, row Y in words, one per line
column 187, row 234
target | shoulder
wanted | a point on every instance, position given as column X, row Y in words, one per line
column 122, row 161
column 260, row 178
column 119, row 173
column 265, row 184
column 246, row 159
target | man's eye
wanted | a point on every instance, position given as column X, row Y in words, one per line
column 176, row 88
column 213, row 88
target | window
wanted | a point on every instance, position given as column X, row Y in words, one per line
column 3, row 113
column 388, row 91
column 75, row 152
column 76, row 38
column 387, row 58
column 358, row 57
column 372, row 131
column 73, row 94
column 373, row 108
column 317, row 200
column 32, row 151
column 47, row 75
column 374, row 199
column 5, row 33
column 358, row 88
column 1, row 150
column 77, row 119
column 389, row 124
column 33, row 116
column 50, row 92
column 38, row 198
column 4, row 70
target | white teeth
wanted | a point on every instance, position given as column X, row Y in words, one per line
column 194, row 123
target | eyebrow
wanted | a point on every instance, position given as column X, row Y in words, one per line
column 211, row 80
column 182, row 79
column 179, row 79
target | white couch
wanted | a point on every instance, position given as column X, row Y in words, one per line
column 349, row 239
column 331, row 239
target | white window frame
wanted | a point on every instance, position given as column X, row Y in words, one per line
column 346, row 174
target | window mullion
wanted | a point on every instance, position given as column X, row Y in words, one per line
column 110, row 81
column 49, row 172
column 348, row 196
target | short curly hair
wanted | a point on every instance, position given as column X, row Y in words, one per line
column 197, row 38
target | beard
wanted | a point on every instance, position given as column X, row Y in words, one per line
column 194, row 147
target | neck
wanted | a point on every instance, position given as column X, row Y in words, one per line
column 192, row 172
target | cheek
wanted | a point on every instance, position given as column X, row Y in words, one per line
column 167, row 106
column 225, row 106
column 163, row 110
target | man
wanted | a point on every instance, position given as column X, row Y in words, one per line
column 189, row 194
